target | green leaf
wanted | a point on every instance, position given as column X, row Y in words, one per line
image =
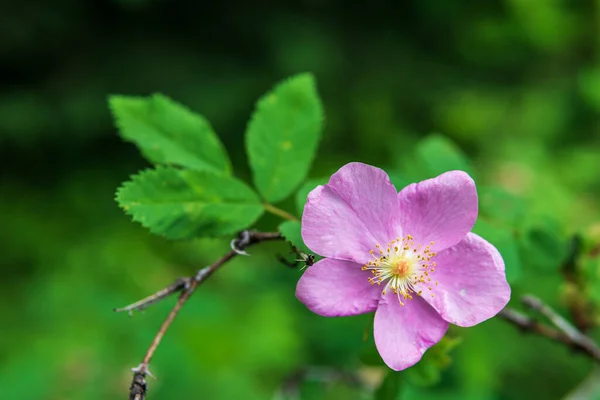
column 428, row 371
column 182, row 204
column 399, row 180
column 425, row 373
column 390, row 387
column 504, row 240
column 305, row 189
column 590, row 270
column 502, row 206
column 368, row 354
column 169, row 133
column 433, row 156
column 283, row 135
column 291, row 231
column 544, row 246
column 588, row 389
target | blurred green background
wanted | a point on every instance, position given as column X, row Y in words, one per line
column 513, row 86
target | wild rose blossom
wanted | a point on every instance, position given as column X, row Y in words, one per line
column 408, row 256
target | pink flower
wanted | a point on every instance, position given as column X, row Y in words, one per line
column 408, row 256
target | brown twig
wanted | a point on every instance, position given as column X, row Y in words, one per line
column 187, row 286
column 564, row 331
column 575, row 336
column 528, row 324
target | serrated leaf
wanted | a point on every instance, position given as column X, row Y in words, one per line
column 283, row 135
column 291, row 231
column 506, row 243
column 305, row 189
column 169, row 133
column 182, row 204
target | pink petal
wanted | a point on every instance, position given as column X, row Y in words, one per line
column 472, row 282
column 356, row 210
column 442, row 209
column 335, row 288
column 403, row 333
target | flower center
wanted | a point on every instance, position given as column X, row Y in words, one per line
column 403, row 266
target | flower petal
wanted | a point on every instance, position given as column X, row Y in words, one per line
column 357, row 209
column 472, row 282
column 335, row 288
column 403, row 333
column 442, row 209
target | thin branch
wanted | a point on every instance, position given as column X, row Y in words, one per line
column 177, row 286
column 530, row 325
column 138, row 388
column 536, row 304
column 575, row 336
column 279, row 212
column 564, row 331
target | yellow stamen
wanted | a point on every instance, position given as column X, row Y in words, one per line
column 402, row 266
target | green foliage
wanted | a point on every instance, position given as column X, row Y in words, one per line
column 438, row 154
column 169, row 133
column 433, row 155
column 501, row 206
column 591, row 271
column 506, row 90
column 328, row 390
column 428, row 371
column 505, row 241
column 182, row 204
column 390, row 387
column 589, row 389
column 502, row 218
column 291, row 231
column 399, row 179
column 305, row 189
column 282, row 139
column 283, row 135
column 585, row 257
column 589, row 82
column 544, row 245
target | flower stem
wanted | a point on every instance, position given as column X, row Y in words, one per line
column 279, row 212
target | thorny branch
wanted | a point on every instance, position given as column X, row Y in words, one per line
column 187, row 286
column 562, row 332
